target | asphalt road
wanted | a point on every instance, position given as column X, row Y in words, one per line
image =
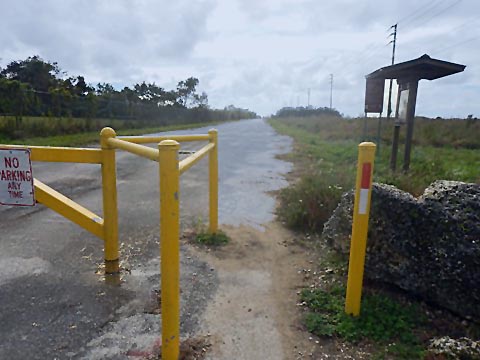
column 54, row 303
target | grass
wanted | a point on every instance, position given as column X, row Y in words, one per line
column 390, row 325
column 456, row 133
column 383, row 320
column 212, row 239
column 310, row 203
column 326, row 153
column 83, row 138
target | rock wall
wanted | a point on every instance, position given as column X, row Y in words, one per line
column 428, row 246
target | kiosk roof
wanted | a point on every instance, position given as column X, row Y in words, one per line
column 422, row 68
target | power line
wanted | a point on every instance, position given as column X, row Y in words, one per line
column 416, row 11
column 354, row 58
column 441, row 12
column 468, row 22
column 370, row 52
column 363, row 60
column 442, row 49
column 419, row 15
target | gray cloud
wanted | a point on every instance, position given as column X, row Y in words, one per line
column 256, row 54
column 105, row 36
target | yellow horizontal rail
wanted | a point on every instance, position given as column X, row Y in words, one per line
column 157, row 139
column 61, row 154
column 68, row 208
column 187, row 163
column 139, row 150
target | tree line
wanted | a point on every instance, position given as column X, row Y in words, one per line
column 35, row 87
column 301, row 111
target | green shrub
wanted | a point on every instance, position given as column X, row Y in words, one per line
column 310, row 203
column 382, row 320
column 329, row 146
column 215, row 239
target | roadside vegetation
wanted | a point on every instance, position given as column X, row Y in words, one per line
column 216, row 239
column 200, row 234
column 392, row 325
column 326, row 152
column 89, row 137
column 39, row 100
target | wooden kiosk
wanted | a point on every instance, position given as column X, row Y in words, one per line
column 407, row 74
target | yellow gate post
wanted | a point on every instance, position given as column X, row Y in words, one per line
column 213, row 181
column 361, row 211
column 170, row 247
column 110, row 211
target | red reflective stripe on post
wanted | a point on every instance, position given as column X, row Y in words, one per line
column 366, row 174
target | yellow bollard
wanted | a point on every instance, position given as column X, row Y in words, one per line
column 213, row 181
column 361, row 211
column 110, row 212
column 170, row 247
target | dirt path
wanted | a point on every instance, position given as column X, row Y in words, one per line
column 254, row 313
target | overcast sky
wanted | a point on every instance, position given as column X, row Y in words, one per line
column 256, row 54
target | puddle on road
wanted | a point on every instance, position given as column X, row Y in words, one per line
column 248, row 170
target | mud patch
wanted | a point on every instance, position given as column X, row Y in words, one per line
column 194, row 348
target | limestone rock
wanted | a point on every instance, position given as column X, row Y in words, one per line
column 428, row 246
column 463, row 348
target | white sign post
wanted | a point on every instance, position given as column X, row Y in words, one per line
column 16, row 178
column 402, row 108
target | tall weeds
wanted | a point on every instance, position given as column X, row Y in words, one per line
column 326, row 155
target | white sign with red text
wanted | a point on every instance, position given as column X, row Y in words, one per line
column 16, row 178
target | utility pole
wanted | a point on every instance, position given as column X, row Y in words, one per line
column 308, row 96
column 396, row 129
column 394, row 41
column 331, row 90
column 389, row 107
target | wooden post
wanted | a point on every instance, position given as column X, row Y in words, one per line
column 396, row 133
column 412, row 100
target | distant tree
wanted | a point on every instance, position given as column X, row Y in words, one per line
column 91, row 106
column 81, row 87
column 141, row 91
column 149, row 93
column 170, row 98
column 301, row 111
column 105, row 89
column 201, row 100
column 186, row 90
column 38, row 88
column 106, row 97
column 39, row 74
column 15, row 98
column 130, row 99
column 156, row 93
column 62, row 100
